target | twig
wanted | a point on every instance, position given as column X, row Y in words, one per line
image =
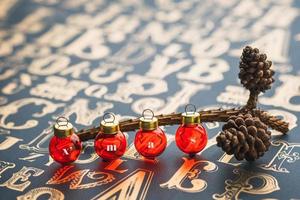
column 217, row 115
column 271, row 121
column 252, row 101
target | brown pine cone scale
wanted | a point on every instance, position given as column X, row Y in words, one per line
column 255, row 70
column 244, row 136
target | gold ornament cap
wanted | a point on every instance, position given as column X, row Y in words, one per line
column 148, row 123
column 63, row 128
column 190, row 117
column 109, row 126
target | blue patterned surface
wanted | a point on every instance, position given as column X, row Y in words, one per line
column 83, row 58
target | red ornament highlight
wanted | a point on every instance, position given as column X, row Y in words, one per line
column 150, row 141
column 64, row 146
column 150, row 144
column 191, row 136
column 110, row 147
column 191, row 139
column 110, row 143
column 65, row 150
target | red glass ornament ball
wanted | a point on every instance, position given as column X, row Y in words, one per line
column 150, row 143
column 65, row 149
column 191, row 139
column 110, row 146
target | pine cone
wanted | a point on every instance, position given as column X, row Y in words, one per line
column 244, row 136
column 255, row 70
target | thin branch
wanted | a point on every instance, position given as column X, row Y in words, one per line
column 252, row 101
column 217, row 115
column 271, row 121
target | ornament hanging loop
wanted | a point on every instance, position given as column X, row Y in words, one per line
column 148, row 122
column 190, row 106
column 190, row 117
column 109, row 125
column 63, row 128
column 62, row 121
column 109, row 120
column 148, row 117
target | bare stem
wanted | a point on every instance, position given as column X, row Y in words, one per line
column 272, row 121
column 216, row 115
column 252, row 101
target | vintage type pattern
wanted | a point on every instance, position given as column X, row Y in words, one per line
column 83, row 58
